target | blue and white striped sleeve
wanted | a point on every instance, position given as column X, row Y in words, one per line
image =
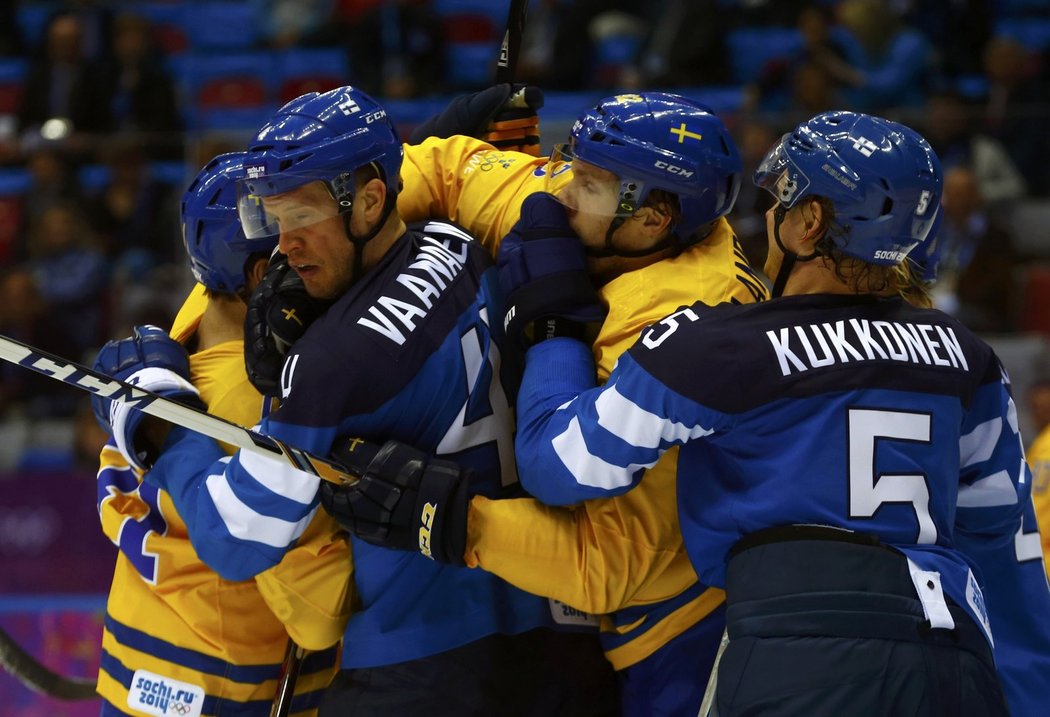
column 244, row 512
column 576, row 442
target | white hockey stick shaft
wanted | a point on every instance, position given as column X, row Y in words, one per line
column 707, row 705
column 171, row 411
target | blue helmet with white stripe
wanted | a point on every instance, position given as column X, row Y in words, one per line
column 217, row 248
column 657, row 140
column 882, row 178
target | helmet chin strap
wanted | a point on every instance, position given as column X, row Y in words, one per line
column 345, row 198
column 790, row 257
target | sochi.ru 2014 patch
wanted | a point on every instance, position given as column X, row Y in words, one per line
column 163, row 696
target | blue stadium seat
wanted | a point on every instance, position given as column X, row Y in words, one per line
column 12, row 83
column 222, row 25
column 32, row 18
column 227, row 91
column 302, row 70
column 750, row 48
column 169, row 24
column 1032, row 32
column 473, row 31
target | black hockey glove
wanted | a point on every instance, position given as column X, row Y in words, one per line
column 279, row 312
column 503, row 115
column 405, row 500
column 543, row 270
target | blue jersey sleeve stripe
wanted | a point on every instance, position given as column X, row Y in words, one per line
column 588, row 469
column 990, row 491
column 280, row 478
column 244, row 523
column 978, row 445
column 638, row 426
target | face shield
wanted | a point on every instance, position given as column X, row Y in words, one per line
column 593, row 193
column 265, row 210
column 779, row 176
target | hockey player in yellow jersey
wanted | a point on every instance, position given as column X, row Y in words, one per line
column 178, row 638
column 1038, row 455
column 621, row 557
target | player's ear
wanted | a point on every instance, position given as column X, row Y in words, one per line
column 255, row 271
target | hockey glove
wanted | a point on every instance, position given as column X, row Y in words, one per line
column 152, row 360
column 504, row 115
column 405, row 500
column 279, row 312
column 543, row 270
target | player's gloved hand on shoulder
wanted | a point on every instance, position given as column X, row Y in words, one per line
column 503, row 115
column 543, row 271
column 405, row 499
column 152, row 360
column 279, row 312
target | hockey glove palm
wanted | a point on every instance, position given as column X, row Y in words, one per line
column 543, row 270
column 279, row 312
column 405, row 500
column 152, row 360
column 503, row 115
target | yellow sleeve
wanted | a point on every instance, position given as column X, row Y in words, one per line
column 600, row 556
column 310, row 589
column 471, row 183
column 713, row 271
column 1039, row 460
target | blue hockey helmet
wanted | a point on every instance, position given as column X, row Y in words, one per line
column 319, row 137
column 217, row 248
column 657, row 140
column 882, row 178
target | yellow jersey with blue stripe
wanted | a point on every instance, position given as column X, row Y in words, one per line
column 622, row 557
column 178, row 639
column 1039, row 460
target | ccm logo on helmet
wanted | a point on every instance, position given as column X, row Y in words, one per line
column 672, row 169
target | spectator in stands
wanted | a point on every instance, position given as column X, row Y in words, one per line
column 133, row 214
column 25, row 316
column 397, row 50
column 951, row 128
column 886, row 64
column 958, row 31
column 801, row 85
column 685, row 45
column 136, row 92
column 1016, row 109
column 295, row 23
column 71, row 275
column 754, row 138
column 974, row 274
column 62, row 82
column 53, row 180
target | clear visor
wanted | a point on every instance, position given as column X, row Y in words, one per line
column 778, row 175
column 591, row 190
column 268, row 216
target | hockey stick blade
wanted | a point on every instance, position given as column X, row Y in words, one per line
column 31, row 673
column 507, row 63
column 171, row 411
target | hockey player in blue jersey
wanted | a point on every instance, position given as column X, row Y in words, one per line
column 850, row 467
column 408, row 349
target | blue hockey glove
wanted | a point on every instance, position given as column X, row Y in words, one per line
column 503, row 115
column 279, row 312
column 543, row 270
column 405, row 500
column 152, row 360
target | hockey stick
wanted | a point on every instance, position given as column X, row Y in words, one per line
column 293, row 661
column 707, row 705
column 172, row 411
column 31, row 673
column 511, row 46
